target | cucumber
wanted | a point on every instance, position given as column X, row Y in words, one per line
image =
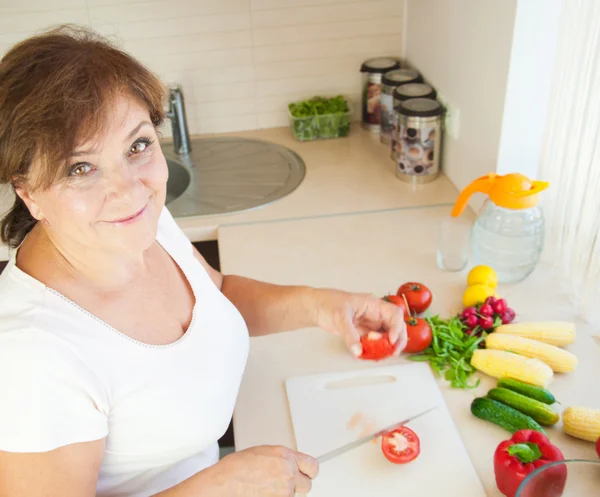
column 540, row 412
column 538, row 393
column 504, row 416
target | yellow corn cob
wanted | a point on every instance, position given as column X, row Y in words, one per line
column 582, row 422
column 502, row 364
column 558, row 359
column 559, row 333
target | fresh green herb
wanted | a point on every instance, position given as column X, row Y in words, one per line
column 450, row 351
column 320, row 117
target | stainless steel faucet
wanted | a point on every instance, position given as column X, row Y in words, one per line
column 176, row 113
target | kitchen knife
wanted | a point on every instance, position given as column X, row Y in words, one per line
column 368, row 438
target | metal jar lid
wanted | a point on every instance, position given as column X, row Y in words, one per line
column 413, row 90
column 379, row 65
column 420, row 107
column 400, row 77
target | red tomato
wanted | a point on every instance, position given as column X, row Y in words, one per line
column 419, row 335
column 401, row 445
column 398, row 301
column 598, row 447
column 376, row 346
column 417, row 295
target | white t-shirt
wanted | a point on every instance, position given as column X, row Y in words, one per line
column 67, row 376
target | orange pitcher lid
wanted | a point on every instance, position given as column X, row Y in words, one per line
column 511, row 191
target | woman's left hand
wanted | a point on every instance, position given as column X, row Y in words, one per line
column 352, row 315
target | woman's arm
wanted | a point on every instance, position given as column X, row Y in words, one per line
column 269, row 308
column 72, row 470
column 266, row 308
column 69, row 470
column 261, row 471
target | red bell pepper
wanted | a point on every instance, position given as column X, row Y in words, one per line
column 520, row 456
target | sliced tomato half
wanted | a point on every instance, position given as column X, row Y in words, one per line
column 376, row 346
column 401, row 445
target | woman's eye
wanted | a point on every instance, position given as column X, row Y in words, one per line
column 140, row 146
column 80, row 169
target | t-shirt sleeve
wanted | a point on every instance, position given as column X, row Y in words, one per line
column 48, row 396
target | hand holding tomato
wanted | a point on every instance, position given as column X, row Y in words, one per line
column 417, row 295
column 398, row 301
column 354, row 316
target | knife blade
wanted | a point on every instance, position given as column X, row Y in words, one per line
column 357, row 443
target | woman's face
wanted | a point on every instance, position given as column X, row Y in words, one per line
column 115, row 188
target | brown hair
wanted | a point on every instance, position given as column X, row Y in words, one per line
column 56, row 91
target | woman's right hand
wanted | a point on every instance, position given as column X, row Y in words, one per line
column 264, row 471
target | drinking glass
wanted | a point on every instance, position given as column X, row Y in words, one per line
column 569, row 478
column 454, row 237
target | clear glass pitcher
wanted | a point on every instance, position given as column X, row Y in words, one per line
column 508, row 234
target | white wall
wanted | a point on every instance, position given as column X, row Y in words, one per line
column 463, row 48
column 529, row 82
column 240, row 61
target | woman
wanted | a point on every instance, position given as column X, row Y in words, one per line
column 121, row 349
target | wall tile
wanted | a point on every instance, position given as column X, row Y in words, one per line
column 282, row 4
column 328, row 13
column 213, row 59
column 233, row 107
column 226, row 124
column 140, row 30
column 190, row 43
column 222, row 92
column 367, row 46
column 238, row 73
column 28, row 23
column 125, row 12
column 17, row 6
column 307, row 85
column 331, row 31
column 309, row 67
column 272, row 119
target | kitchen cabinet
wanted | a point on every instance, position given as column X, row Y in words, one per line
column 210, row 251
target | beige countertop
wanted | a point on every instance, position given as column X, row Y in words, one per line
column 376, row 252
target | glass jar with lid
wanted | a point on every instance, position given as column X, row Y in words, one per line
column 413, row 90
column 372, row 71
column 391, row 81
column 405, row 92
column 419, row 140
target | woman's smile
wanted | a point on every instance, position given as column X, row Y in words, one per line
column 124, row 221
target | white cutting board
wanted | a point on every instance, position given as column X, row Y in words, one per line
column 323, row 404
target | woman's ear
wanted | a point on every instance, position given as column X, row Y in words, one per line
column 28, row 199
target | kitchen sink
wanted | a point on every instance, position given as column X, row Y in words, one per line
column 211, row 176
column 229, row 174
column 179, row 180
